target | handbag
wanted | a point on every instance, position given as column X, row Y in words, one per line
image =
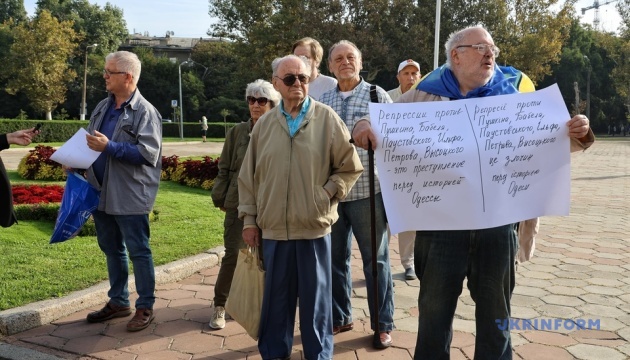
column 244, row 302
column 78, row 203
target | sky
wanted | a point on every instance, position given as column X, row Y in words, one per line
column 186, row 18
column 189, row 18
column 609, row 18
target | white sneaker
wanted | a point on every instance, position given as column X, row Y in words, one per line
column 218, row 318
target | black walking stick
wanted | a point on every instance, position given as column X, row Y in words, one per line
column 377, row 339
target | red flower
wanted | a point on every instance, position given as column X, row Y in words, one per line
column 37, row 194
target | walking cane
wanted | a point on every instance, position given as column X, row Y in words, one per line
column 376, row 340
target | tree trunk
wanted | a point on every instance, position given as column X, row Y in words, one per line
column 48, row 115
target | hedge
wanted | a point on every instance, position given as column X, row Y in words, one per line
column 62, row 130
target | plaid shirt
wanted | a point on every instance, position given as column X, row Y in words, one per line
column 350, row 110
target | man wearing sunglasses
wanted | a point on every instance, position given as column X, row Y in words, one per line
column 485, row 257
column 298, row 166
column 350, row 100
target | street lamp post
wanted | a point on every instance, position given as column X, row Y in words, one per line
column 85, row 65
column 181, row 103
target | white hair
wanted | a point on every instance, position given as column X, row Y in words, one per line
column 456, row 38
column 263, row 88
column 128, row 62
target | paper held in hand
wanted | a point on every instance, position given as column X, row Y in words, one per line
column 474, row 163
column 75, row 153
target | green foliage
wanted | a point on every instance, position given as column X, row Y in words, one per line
column 37, row 165
column 43, row 212
column 38, row 61
column 159, row 81
column 222, row 62
column 12, row 10
column 103, row 26
column 238, row 110
column 51, row 131
column 62, row 114
column 600, row 54
column 22, row 115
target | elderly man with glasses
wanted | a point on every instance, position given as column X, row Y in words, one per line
column 127, row 130
column 298, row 166
column 486, row 257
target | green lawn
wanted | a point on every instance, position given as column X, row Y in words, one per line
column 34, row 270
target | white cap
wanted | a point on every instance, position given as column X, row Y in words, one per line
column 408, row 62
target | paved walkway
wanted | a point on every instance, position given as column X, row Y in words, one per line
column 580, row 271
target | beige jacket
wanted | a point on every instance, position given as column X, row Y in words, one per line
column 285, row 182
column 528, row 229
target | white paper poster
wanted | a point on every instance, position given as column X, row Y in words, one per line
column 474, row 163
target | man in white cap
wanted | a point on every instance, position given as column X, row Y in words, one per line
column 408, row 74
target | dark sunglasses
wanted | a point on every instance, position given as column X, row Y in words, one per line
column 290, row 79
column 262, row 101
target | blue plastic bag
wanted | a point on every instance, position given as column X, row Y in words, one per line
column 78, row 203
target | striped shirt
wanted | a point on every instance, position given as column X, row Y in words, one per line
column 350, row 110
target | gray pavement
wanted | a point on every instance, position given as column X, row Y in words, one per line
column 580, row 271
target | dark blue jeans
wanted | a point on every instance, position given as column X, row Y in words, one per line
column 443, row 259
column 354, row 218
column 116, row 234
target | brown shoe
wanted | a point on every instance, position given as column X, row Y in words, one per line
column 109, row 311
column 342, row 328
column 141, row 320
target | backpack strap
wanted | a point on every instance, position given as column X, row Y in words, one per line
column 373, row 94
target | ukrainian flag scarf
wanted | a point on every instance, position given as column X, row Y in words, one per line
column 442, row 82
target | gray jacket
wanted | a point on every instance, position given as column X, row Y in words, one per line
column 130, row 189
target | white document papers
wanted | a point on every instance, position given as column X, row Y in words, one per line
column 474, row 163
column 75, row 153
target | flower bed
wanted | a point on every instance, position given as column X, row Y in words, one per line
column 37, row 194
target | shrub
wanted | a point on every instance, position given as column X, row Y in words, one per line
column 169, row 165
column 193, row 173
column 38, row 166
column 46, row 212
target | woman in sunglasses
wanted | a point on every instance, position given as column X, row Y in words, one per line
column 261, row 97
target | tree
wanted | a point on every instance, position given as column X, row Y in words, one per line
column 38, row 63
column 12, row 9
column 529, row 32
column 103, row 26
column 223, row 64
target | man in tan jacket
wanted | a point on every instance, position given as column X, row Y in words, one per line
column 298, row 166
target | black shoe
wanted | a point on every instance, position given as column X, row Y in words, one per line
column 383, row 341
column 109, row 311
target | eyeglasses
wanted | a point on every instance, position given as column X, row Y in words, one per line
column 483, row 48
column 110, row 73
column 262, row 101
column 290, row 79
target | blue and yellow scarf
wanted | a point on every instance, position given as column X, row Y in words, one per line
column 506, row 80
